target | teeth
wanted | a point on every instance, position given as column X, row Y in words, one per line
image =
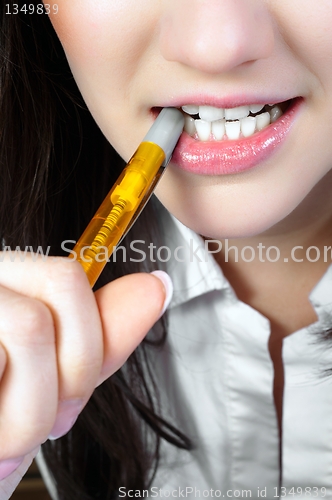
column 275, row 113
column 203, row 129
column 256, row 108
column 248, row 126
column 218, row 129
column 232, row 123
column 237, row 113
column 233, row 130
column 191, row 109
column 210, row 113
column 189, row 125
column 263, row 120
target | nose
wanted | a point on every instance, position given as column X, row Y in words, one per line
column 215, row 36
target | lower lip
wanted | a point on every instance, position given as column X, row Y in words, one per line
column 232, row 157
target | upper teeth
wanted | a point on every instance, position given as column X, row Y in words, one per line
column 218, row 123
column 210, row 113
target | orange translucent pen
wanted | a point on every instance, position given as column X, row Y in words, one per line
column 128, row 196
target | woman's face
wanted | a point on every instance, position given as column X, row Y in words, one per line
column 131, row 57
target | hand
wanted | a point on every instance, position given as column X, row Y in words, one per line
column 58, row 341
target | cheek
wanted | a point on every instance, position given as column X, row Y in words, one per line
column 103, row 39
column 106, row 44
column 306, row 30
column 94, row 32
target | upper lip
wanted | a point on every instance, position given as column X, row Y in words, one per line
column 226, row 101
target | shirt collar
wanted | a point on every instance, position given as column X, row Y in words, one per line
column 321, row 294
column 195, row 272
column 321, row 300
column 192, row 268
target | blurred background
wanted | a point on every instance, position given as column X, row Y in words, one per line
column 31, row 487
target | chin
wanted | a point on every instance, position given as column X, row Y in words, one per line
column 221, row 228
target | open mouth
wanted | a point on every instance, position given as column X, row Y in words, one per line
column 208, row 123
column 224, row 141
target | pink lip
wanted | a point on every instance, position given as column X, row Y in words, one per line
column 231, row 157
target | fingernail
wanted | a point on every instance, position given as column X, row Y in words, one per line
column 9, row 466
column 68, row 412
column 168, row 284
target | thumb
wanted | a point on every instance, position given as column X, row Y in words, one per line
column 129, row 307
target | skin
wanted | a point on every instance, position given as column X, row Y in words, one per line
column 128, row 57
column 48, row 313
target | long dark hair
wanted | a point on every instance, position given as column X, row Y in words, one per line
column 55, row 168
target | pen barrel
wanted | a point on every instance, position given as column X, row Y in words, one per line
column 115, row 214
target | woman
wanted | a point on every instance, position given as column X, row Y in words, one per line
column 237, row 386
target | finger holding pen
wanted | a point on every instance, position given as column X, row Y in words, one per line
column 58, row 341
